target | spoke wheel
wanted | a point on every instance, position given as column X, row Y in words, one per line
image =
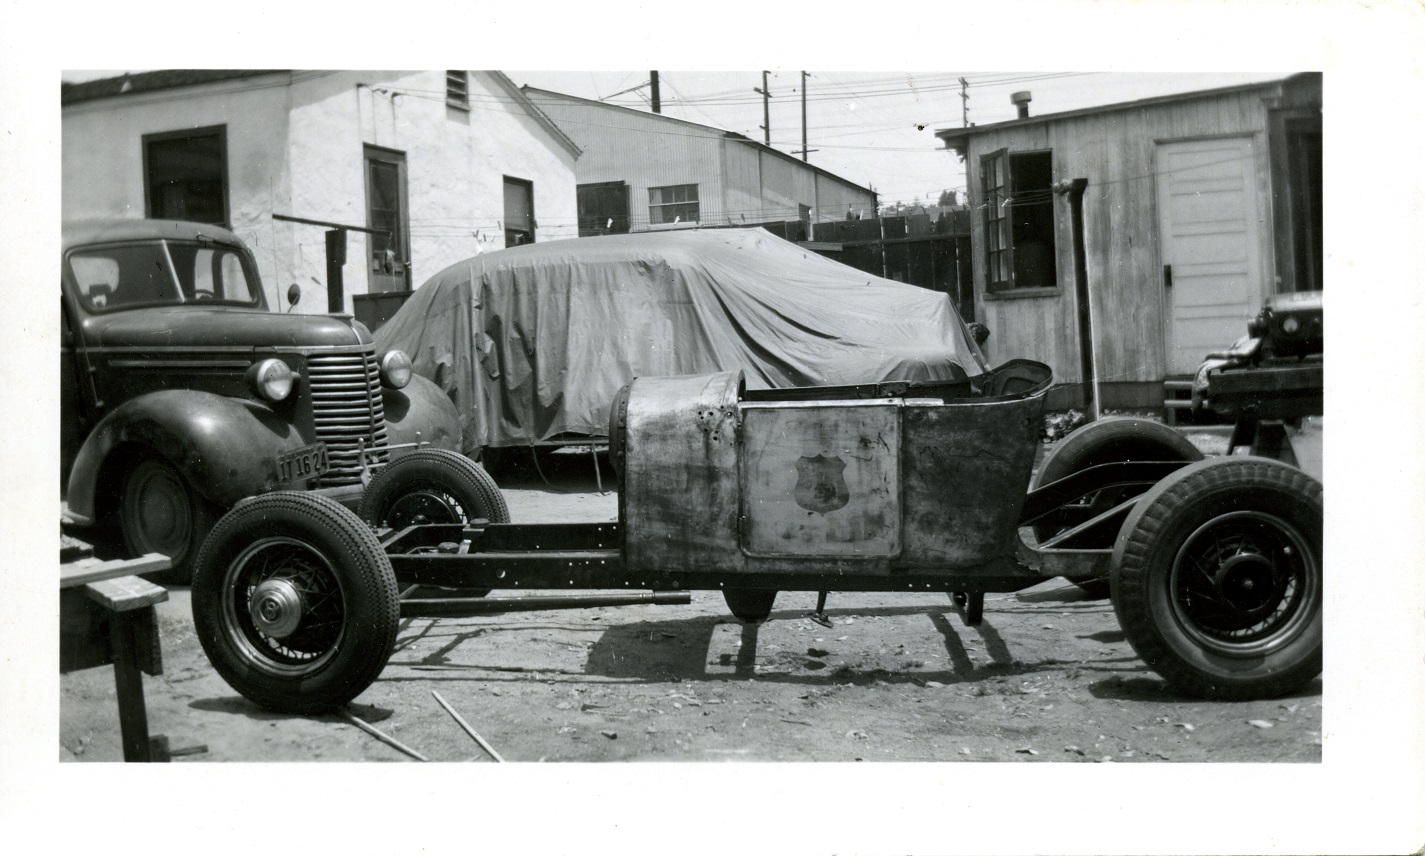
column 1244, row 583
column 283, row 606
column 294, row 602
column 432, row 486
column 1218, row 581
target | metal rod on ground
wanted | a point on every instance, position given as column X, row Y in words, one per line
column 383, row 737
column 464, row 606
column 468, row 730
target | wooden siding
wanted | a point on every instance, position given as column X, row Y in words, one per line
column 1116, row 152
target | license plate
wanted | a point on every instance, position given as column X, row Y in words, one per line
column 304, row 463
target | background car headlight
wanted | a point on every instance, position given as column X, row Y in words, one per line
column 271, row 379
column 395, row 369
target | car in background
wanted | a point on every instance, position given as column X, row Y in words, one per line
column 182, row 392
column 533, row 342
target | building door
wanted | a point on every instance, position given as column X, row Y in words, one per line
column 519, row 212
column 390, row 256
column 1209, row 222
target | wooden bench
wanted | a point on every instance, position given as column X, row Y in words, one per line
column 107, row 616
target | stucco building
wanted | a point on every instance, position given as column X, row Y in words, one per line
column 423, row 168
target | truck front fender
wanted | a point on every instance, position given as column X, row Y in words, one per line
column 225, row 447
column 421, row 408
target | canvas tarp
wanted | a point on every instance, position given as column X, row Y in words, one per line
column 533, row 342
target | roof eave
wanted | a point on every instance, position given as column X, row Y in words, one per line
column 959, row 138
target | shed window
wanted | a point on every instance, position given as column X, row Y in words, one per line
column 186, row 175
column 457, row 89
column 1019, row 220
column 677, row 203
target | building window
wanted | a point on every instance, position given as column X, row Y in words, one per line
column 519, row 212
column 603, row 208
column 386, row 211
column 677, row 203
column 1019, row 220
column 186, row 175
column 457, row 89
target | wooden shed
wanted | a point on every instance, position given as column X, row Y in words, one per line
column 1197, row 207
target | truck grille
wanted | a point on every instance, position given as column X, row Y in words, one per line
column 347, row 410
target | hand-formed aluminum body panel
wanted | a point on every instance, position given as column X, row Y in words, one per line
column 917, row 483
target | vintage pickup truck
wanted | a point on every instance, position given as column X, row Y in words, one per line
column 1215, row 565
column 181, row 392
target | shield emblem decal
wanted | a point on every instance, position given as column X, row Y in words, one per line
column 821, row 484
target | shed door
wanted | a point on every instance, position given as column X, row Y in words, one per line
column 1210, row 235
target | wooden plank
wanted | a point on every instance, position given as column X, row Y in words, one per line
column 84, row 638
column 128, row 686
column 87, row 571
column 123, row 594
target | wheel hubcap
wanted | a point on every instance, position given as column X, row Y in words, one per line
column 276, row 608
column 283, row 607
column 160, row 511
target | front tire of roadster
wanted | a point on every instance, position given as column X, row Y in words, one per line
column 1217, row 578
column 294, row 602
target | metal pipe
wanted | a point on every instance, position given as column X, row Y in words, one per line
column 460, row 720
column 463, row 606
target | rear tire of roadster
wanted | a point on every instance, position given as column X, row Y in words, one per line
column 294, row 602
column 432, row 486
column 1110, row 440
column 1217, row 578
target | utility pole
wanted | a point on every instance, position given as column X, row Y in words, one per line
column 804, row 116
column 965, row 105
column 766, row 111
column 657, row 102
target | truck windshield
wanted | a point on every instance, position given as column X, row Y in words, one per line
column 161, row 272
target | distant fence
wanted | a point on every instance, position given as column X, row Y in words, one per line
column 931, row 252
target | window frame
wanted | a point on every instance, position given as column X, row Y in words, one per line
column 218, row 131
column 998, row 222
column 457, row 92
column 662, row 207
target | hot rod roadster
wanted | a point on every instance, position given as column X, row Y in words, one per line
column 1215, row 565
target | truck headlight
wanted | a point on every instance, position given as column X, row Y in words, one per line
column 395, row 369
column 271, row 379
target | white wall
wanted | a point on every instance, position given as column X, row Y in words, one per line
column 296, row 147
column 102, row 153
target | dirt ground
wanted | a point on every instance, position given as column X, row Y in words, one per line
column 1048, row 676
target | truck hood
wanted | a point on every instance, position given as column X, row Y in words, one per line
column 222, row 326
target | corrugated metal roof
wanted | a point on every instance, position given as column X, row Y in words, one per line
column 731, row 135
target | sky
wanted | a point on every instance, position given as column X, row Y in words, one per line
column 876, row 129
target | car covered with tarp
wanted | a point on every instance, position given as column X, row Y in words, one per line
column 533, row 342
